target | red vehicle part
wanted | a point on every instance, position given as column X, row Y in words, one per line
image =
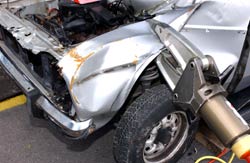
column 85, row 1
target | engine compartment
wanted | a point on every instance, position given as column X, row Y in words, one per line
column 72, row 22
column 45, row 26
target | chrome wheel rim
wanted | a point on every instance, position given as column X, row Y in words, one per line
column 166, row 138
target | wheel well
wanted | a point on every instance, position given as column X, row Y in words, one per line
column 149, row 78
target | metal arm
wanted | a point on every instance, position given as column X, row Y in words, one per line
column 200, row 91
column 198, row 88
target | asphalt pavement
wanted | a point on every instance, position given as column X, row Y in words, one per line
column 28, row 140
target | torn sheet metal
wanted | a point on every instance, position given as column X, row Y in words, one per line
column 101, row 72
column 29, row 36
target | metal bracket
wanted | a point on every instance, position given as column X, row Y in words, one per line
column 197, row 85
column 180, row 48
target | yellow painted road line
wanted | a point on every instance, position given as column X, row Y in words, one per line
column 12, row 102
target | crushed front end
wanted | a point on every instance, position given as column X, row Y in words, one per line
column 70, row 82
column 78, row 62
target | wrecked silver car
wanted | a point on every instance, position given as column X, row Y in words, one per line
column 83, row 62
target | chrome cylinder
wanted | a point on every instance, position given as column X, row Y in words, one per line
column 223, row 119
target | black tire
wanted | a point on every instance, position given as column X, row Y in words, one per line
column 138, row 121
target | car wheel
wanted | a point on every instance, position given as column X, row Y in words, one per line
column 153, row 130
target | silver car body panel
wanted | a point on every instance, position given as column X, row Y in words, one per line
column 158, row 6
column 108, row 66
column 218, row 29
column 29, row 36
column 101, row 72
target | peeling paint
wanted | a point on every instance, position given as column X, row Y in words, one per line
column 72, row 82
column 135, row 61
column 73, row 53
column 80, row 60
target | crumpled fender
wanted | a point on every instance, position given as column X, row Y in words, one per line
column 101, row 72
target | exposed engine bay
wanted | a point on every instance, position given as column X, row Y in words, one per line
column 72, row 22
column 69, row 22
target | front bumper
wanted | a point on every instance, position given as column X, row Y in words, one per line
column 32, row 88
